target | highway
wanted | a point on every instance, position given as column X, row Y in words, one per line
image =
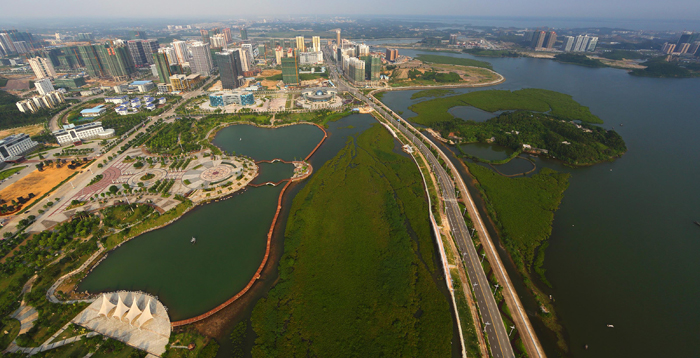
column 494, row 328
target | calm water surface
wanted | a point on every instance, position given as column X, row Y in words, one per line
column 624, row 249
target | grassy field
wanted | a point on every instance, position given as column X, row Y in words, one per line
column 3, row 81
column 432, row 93
column 453, row 61
column 7, row 173
column 356, row 277
column 11, row 326
column 530, row 99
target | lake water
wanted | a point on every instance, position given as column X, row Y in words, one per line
column 266, row 143
column 624, row 249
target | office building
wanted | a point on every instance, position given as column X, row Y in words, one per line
column 249, row 53
column 244, row 33
column 227, row 35
column 550, row 40
column 392, row 54
column 337, row 38
column 221, row 99
column 290, row 71
column 315, row 44
column 218, row 41
column 183, row 82
column 300, row 44
column 14, row 146
column 72, row 133
column 453, row 39
column 181, row 51
column 373, row 67
column 538, row 39
column 279, row 53
column 162, row 66
column 311, row 58
column 69, row 81
column 44, row 86
column 356, row 69
column 230, row 69
column 361, row 50
column 568, row 43
column 42, row 67
column 201, row 59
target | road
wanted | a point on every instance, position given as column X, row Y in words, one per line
column 494, row 327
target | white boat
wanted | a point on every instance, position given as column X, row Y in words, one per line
column 193, row 240
column 611, row 326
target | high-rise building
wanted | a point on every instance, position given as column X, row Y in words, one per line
column 538, row 39
column 685, row 38
column 392, row 54
column 337, row 37
column 137, row 52
column 170, row 53
column 311, row 58
column 139, row 34
column 581, row 43
column 150, row 47
column 693, row 49
column 162, row 65
column 201, row 59
column 683, row 48
column 300, row 44
column 279, row 53
column 218, row 41
column 244, row 33
column 227, row 35
column 6, row 43
column 181, row 51
column 356, row 69
column 44, row 86
column 248, row 53
column 568, row 43
column 21, row 46
column 361, row 50
column 205, row 35
column 92, row 62
column 373, row 67
column 453, row 39
column 116, row 60
column 592, row 43
column 668, row 48
column 85, row 36
column 290, row 71
column 550, row 40
column 229, row 68
column 316, row 44
column 42, row 67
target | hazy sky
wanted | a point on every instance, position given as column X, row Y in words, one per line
column 626, row 9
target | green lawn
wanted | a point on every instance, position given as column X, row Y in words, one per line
column 356, row 274
column 11, row 326
column 530, row 99
column 7, row 173
column 448, row 60
column 204, row 347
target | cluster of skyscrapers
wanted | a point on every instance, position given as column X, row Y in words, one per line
column 687, row 44
column 358, row 64
column 580, row 43
column 16, row 42
column 541, row 39
column 546, row 40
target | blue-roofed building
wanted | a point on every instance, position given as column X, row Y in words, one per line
column 93, row 112
column 221, row 99
column 142, row 86
column 117, row 100
column 122, row 110
column 161, row 100
column 150, row 106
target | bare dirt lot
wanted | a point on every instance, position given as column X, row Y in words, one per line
column 31, row 130
column 268, row 73
column 37, row 183
column 17, row 85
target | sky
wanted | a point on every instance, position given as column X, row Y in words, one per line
column 14, row 10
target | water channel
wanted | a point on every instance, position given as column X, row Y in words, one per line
column 624, row 247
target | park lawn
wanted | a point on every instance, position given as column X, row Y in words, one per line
column 205, row 347
column 357, row 277
column 126, row 352
column 453, row 61
column 7, row 173
column 3, row 81
column 529, row 99
column 11, row 326
column 75, row 349
column 523, row 209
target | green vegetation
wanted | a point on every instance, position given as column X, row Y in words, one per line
column 364, row 285
column 437, row 92
column 238, row 338
column 561, row 105
column 566, row 141
column 96, row 179
column 9, row 172
column 581, row 60
column 432, row 76
column 148, row 176
column 491, row 53
column 205, row 347
column 523, row 210
column 622, row 55
column 659, row 68
column 448, row 60
column 467, row 322
column 3, row 81
column 11, row 326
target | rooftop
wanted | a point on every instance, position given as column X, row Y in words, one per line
column 138, row 83
column 96, row 109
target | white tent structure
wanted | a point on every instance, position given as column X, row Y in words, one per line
column 106, row 306
column 121, row 309
column 146, row 315
column 134, row 311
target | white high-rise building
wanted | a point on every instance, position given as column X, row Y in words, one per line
column 362, row 50
column 581, row 43
column 44, row 86
column 311, row 58
column 170, row 54
column 201, row 58
column 218, row 41
column 245, row 65
column 592, row 44
column 316, row 43
column 21, row 47
column 300, row 43
column 568, row 43
column 6, row 43
column 42, row 67
column 247, row 50
column 279, row 53
column 181, row 52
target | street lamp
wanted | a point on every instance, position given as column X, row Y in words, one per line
column 482, row 257
column 486, row 325
column 511, row 330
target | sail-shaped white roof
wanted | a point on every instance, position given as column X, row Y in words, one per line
column 146, row 315
column 134, row 311
column 121, row 309
column 106, row 306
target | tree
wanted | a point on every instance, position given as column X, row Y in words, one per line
column 113, row 189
